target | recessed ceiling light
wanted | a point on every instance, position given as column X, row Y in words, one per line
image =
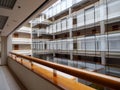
column 19, row 6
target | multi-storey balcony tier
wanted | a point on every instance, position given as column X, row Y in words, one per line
column 21, row 41
column 69, row 45
column 84, row 30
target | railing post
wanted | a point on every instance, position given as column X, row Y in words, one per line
column 31, row 65
column 54, row 76
column 54, row 73
column 21, row 61
column 15, row 57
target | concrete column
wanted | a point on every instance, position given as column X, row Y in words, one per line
column 54, row 50
column 103, row 15
column 102, row 30
column 70, row 33
column 6, row 47
column 71, row 53
column 103, row 61
column 53, row 37
column 102, row 27
column 31, row 40
column 53, row 54
column 3, row 50
column 71, row 56
column 103, row 10
column 9, row 44
column 70, row 11
column 0, row 50
column 70, row 36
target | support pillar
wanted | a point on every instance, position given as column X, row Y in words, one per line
column 103, row 45
column 32, row 54
column 9, row 44
column 6, row 47
column 3, row 50
column 103, row 15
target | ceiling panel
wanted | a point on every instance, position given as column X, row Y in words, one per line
column 3, row 20
column 22, row 13
column 9, row 4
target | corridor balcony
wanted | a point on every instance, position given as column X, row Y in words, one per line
column 24, row 31
column 21, row 41
column 24, row 52
column 49, row 71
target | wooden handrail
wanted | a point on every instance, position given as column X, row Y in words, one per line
column 101, row 79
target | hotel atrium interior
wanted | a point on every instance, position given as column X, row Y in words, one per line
column 59, row 44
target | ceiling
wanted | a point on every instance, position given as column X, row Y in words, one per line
column 16, row 13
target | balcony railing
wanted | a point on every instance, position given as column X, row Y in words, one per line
column 33, row 64
column 21, row 41
column 25, row 52
column 35, row 21
column 24, row 30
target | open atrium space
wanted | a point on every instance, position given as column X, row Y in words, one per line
column 59, row 44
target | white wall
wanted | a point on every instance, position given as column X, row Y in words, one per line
column 29, row 79
column 24, row 35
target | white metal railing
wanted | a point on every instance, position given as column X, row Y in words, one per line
column 21, row 41
column 39, row 31
column 97, row 43
column 25, row 29
column 24, row 52
column 59, row 7
column 109, row 42
column 35, row 21
column 79, row 64
column 86, row 16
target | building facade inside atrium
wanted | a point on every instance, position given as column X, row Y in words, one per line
column 80, row 33
column 60, row 44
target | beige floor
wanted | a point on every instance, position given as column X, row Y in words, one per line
column 7, row 81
